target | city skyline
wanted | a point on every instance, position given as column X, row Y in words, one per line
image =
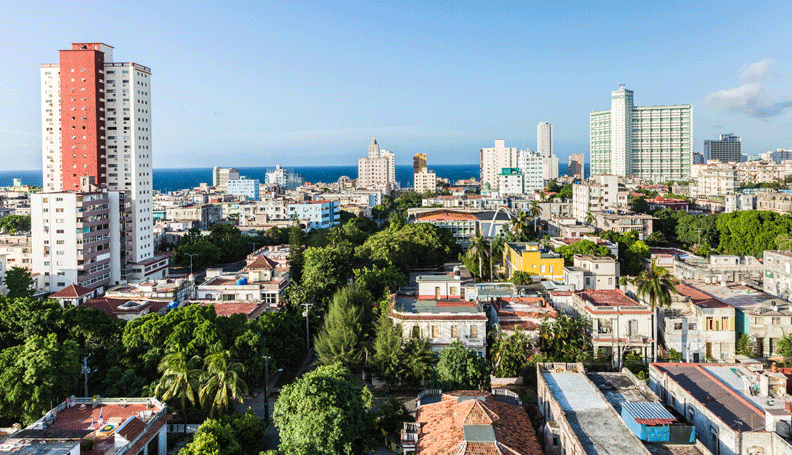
column 425, row 80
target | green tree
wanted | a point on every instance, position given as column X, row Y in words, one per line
column 390, row 417
column 656, row 238
column 745, row 345
column 325, row 271
column 518, row 226
column 249, row 430
column 479, row 250
column 784, row 347
column 325, row 412
column 674, row 355
column 36, row 374
column 655, row 287
column 19, row 283
column 565, row 339
column 179, row 380
column 380, row 282
column 694, row 229
column 213, row 438
column 638, row 205
column 521, row 278
column 222, row 383
column 582, row 247
column 206, row 254
column 415, row 245
column 750, row 232
column 634, row 363
column 418, row 359
column 341, row 339
column 296, row 260
column 15, row 223
column 388, row 356
column 461, row 369
column 510, row 353
column 535, row 211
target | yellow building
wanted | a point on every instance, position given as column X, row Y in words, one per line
column 532, row 258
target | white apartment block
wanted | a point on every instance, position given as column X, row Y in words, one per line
column 653, row 143
column 544, row 139
column 221, row 175
column 592, row 272
column 283, row 178
column 714, row 179
column 494, row 159
column 79, row 237
column 727, row 149
column 378, row 170
column 124, row 135
column 317, row 214
column 245, row 187
column 778, row 155
column 550, row 167
column 598, row 193
column 511, row 182
column 778, row 273
column 425, row 181
column 532, row 167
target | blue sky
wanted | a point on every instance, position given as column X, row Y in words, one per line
column 305, row 83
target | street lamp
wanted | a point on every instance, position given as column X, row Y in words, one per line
column 191, row 256
column 266, row 386
column 307, row 306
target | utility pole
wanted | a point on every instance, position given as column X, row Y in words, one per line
column 266, row 384
column 85, row 371
column 191, row 257
column 307, row 307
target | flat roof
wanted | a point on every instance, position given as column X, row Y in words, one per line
column 725, row 403
column 597, row 426
column 407, row 304
column 608, row 297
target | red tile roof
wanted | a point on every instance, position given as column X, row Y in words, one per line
column 442, row 426
column 251, row 310
column 132, row 429
column 261, row 263
column 72, row 291
column 607, row 297
column 446, row 215
column 699, row 298
column 111, row 305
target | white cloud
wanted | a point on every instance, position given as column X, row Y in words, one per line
column 751, row 99
column 758, row 72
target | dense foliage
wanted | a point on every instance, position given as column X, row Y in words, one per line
column 15, row 223
column 412, row 246
column 632, row 251
column 582, row 247
column 224, row 244
column 751, row 232
column 461, row 369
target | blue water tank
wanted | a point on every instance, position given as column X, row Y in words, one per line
column 244, row 280
column 173, row 305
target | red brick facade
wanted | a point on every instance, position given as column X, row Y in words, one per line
column 82, row 114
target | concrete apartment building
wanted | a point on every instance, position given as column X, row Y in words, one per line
column 511, row 182
column 438, row 310
column 494, row 159
column 652, row 143
column 378, row 170
column 282, row 177
column 778, row 155
column 714, row 179
column 534, row 259
column 544, row 148
column 718, row 268
column 597, row 194
column 81, row 237
column 531, row 167
column 777, row 279
column 16, row 249
column 715, row 399
column 592, row 272
column 316, row 214
column 615, row 222
column 425, row 181
column 221, row 176
column 575, row 165
column 727, row 149
column 244, row 187
column 419, row 162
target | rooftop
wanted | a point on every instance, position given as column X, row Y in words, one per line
column 251, row 310
column 444, row 309
column 734, row 294
column 597, row 426
column 607, row 297
column 698, row 298
column 71, row 291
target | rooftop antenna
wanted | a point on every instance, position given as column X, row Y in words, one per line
column 621, row 86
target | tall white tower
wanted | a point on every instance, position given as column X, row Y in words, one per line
column 544, row 139
column 621, row 131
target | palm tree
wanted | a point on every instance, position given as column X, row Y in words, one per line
column 535, row 211
column 519, row 224
column 655, row 287
column 589, row 218
column 179, row 380
column 479, row 248
column 222, row 383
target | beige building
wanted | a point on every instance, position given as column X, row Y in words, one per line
column 494, row 159
column 378, row 170
column 597, row 194
column 592, row 272
column 221, row 176
column 425, row 181
column 713, row 179
column 625, row 223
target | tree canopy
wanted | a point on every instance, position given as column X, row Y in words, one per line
column 412, row 246
column 461, row 369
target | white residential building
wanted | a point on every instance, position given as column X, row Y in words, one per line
column 532, row 167
column 778, row 273
column 96, row 121
column 245, row 187
column 550, row 167
column 283, row 178
column 424, row 181
column 317, row 214
column 544, row 139
column 653, row 143
column 592, row 272
column 714, row 179
column 494, row 159
column 378, row 170
column 511, row 182
column 221, row 175
column 778, row 155
column 598, row 193
column 727, row 149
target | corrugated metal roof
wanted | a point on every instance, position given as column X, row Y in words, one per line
column 648, row 413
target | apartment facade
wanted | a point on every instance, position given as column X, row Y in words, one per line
column 317, row 214
column 531, row 166
column 777, row 279
column 221, row 175
column 96, row 121
column 575, row 167
column 494, row 159
column 419, row 162
column 653, row 143
column 245, row 187
column 532, row 258
column 378, row 170
column 714, row 179
column 641, row 223
column 425, row 181
column 727, row 149
column 592, row 272
column 599, row 193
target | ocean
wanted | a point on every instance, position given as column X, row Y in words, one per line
column 176, row 179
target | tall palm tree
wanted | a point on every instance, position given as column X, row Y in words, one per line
column 222, row 383
column 589, row 218
column 519, row 224
column 655, row 287
column 479, row 248
column 179, row 380
column 535, row 211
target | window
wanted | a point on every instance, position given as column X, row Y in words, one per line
column 692, row 326
column 776, row 320
column 677, row 326
column 435, row 331
column 454, row 331
column 473, row 331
